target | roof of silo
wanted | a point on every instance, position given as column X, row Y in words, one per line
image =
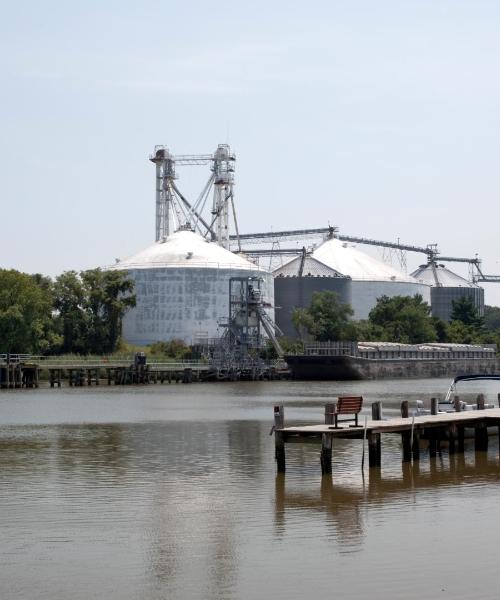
column 445, row 277
column 185, row 249
column 311, row 268
column 348, row 260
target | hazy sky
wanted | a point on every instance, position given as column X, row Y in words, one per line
column 382, row 118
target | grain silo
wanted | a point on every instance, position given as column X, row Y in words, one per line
column 182, row 288
column 447, row 286
column 371, row 278
column 296, row 282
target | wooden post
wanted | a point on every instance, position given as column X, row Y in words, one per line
column 406, row 435
column 481, row 431
column 327, row 441
column 326, row 454
column 279, row 440
column 415, row 450
column 329, row 411
column 374, row 445
column 456, row 404
column 434, row 406
column 452, row 436
column 431, row 431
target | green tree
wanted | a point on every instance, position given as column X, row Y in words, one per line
column 492, row 317
column 464, row 310
column 368, row 332
column 327, row 319
column 73, row 319
column 404, row 319
column 173, row 349
column 109, row 294
column 90, row 307
column 460, row 333
column 26, row 324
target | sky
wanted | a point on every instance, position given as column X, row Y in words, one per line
column 381, row 118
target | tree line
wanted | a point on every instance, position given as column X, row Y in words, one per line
column 77, row 313
column 400, row 319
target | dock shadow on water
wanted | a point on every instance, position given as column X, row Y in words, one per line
column 152, row 495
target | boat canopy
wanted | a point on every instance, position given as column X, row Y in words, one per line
column 477, row 377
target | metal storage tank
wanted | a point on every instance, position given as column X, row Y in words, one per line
column 295, row 283
column 182, row 289
column 371, row 278
column 447, row 286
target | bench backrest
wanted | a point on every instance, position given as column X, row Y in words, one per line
column 349, row 404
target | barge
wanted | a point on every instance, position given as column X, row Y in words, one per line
column 378, row 360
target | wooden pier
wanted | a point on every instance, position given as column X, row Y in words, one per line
column 435, row 429
column 24, row 371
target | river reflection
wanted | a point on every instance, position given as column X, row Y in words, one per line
column 173, row 493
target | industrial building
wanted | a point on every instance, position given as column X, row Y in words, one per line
column 182, row 281
column 182, row 289
column 446, row 287
column 371, row 278
column 337, row 266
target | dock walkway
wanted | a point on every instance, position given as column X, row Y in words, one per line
column 434, row 428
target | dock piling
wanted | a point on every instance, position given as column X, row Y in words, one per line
column 374, row 443
column 481, row 430
column 279, row 441
column 406, row 435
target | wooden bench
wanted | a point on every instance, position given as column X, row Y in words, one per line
column 347, row 405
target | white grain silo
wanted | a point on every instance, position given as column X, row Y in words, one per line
column 182, row 288
column 371, row 278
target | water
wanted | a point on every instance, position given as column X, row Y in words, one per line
column 171, row 492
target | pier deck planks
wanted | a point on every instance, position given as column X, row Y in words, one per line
column 398, row 424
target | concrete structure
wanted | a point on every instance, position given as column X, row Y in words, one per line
column 296, row 282
column 182, row 288
column 371, row 278
column 446, row 287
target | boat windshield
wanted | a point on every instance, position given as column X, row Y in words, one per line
column 479, row 377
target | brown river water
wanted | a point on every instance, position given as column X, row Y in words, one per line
column 171, row 492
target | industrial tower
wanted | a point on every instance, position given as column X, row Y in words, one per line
column 174, row 211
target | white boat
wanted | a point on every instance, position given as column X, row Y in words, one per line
column 448, row 403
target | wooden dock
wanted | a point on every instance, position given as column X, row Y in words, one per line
column 435, row 429
column 25, row 371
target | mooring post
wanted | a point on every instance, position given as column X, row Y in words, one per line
column 459, row 429
column 326, row 454
column 406, row 435
column 279, row 440
column 415, row 439
column 434, row 406
column 374, row 445
column 327, row 441
column 452, row 436
column 431, row 431
column 481, row 431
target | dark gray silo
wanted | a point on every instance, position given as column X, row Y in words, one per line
column 446, row 287
column 296, row 282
